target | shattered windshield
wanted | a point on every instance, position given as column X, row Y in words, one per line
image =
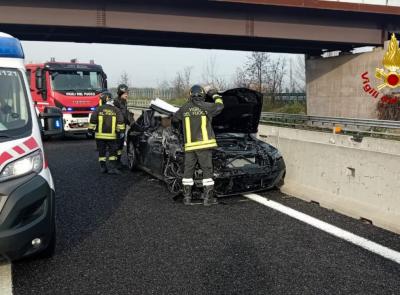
column 76, row 80
column 14, row 106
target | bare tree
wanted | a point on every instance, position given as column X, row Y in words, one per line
column 257, row 69
column 163, row 85
column 124, row 79
column 276, row 76
column 210, row 76
column 187, row 73
column 240, row 79
column 209, row 71
column 178, row 85
column 220, row 83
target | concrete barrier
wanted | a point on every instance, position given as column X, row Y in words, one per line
column 358, row 179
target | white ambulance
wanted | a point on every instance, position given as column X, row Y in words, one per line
column 27, row 195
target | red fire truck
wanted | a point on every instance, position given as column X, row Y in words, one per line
column 73, row 87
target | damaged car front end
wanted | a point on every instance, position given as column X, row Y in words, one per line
column 242, row 163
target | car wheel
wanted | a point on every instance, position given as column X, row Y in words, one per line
column 173, row 177
column 281, row 182
column 131, row 156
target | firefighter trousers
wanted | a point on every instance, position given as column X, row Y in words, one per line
column 109, row 145
column 120, row 146
column 204, row 158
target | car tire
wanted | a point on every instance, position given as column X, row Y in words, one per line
column 173, row 178
column 131, row 156
column 281, row 182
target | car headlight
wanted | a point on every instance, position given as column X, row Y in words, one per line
column 23, row 166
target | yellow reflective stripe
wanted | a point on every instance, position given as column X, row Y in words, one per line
column 204, row 132
column 102, row 159
column 120, row 127
column 211, row 141
column 105, row 136
column 188, row 131
column 100, row 124
column 113, row 125
column 219, row 100
column 112, row 158
column 92, row 126
column 200, row 147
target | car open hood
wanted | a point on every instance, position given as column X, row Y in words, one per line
column 241, row 114
column 242, row 111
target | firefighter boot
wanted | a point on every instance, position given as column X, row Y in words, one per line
column 103, row 167
column 187, row 194
column 209, row 199
column 113, row 168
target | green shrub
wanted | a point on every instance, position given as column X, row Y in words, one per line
column 289, row 108
column 177, row 101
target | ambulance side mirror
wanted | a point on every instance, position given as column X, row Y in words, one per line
column 51, row 121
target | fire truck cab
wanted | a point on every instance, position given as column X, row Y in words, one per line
column 27, row 195
column 72, row 87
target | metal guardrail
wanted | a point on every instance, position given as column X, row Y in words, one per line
column 371, row 126
column 138, row 103
column 345, row 122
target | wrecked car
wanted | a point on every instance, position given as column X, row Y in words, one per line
column 242, row 163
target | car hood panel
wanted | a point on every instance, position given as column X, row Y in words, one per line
column 241, row 113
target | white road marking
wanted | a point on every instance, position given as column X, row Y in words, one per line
column 328, row 228
column 5, row 279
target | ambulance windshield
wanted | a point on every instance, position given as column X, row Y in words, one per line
column 14, row 107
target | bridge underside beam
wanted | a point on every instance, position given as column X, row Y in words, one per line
column 200, row 24
column 168, row 39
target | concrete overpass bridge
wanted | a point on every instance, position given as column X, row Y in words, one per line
column 292, row 26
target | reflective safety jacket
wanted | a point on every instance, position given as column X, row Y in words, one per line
column 196, row 116
column 123, row 107
column 107, row 121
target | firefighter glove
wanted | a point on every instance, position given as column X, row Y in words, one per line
column 212, row 92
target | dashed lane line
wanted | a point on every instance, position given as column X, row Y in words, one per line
column 328, row 228
column 5, row 279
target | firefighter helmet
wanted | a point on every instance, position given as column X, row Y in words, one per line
column 197, row 91
column 105, row 96
column 122, row 88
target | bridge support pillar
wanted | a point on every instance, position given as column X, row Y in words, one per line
column 345, row 85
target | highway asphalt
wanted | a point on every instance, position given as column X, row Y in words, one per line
column 126, row 235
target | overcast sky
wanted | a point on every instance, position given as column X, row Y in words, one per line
column 147, row 66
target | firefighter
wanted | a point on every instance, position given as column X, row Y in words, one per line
column 121, row 102
column 196, row 116
column 107, row 123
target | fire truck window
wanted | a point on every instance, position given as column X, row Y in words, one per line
column 75, row 80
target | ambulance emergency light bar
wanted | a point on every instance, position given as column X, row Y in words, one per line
column 10, row 47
